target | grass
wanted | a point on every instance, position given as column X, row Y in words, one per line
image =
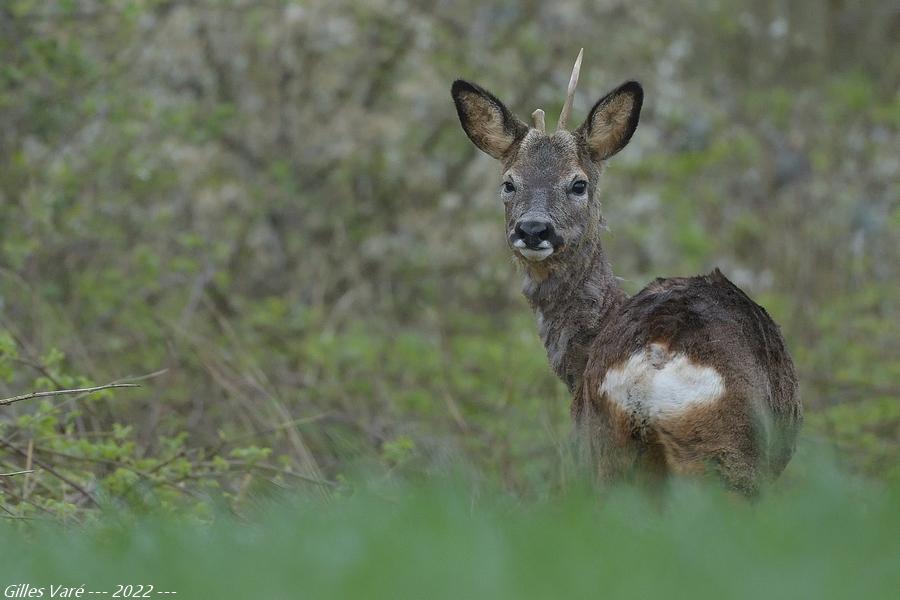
column 820, row 534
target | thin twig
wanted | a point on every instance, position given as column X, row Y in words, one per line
column 90, row 390
column 17, row 473
column 280, row 426
column 91, row 15
column 141, row 377
column 287, row 472
column 53, row 472
column 116, row 463
column 19, row 498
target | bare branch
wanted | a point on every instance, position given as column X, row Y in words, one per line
column 131, row 379
column 289, row 473
column 570, row 93
column 52, row 471
column 90, row 390
column 17, row 473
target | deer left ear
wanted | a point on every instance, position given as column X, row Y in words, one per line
column 612, row 121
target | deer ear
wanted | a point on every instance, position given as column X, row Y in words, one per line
column 612, row 121
column 485, row 120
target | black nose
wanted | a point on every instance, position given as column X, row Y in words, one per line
column 534, row 232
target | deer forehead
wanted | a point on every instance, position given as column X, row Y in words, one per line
column 546, row 157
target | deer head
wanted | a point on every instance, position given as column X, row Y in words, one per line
column 549, row 180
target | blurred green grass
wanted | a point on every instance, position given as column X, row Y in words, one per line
column 820, row 534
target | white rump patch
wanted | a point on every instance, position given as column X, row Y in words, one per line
column 655, row 383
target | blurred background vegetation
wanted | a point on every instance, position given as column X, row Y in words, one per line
column 267, row 212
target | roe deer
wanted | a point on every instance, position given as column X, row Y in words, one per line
column 687, row 374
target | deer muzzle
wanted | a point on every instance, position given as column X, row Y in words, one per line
column 534, row 240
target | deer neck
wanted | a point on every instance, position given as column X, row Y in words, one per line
column 573, row 298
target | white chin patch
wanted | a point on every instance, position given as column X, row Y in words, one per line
column 534, row 255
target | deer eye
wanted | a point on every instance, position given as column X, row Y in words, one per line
column 579, row 187
column 508, row 187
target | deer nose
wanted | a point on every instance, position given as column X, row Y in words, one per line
column 534, row 232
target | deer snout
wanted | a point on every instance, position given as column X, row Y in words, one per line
column 534, row 240
column 535, row 234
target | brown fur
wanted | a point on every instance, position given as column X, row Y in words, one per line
column 750, row 432
column 590, row 326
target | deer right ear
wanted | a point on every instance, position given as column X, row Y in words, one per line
column 485, row 120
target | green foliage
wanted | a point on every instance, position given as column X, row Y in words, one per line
column 8, row 355
column 867, row 434
column 825, row 537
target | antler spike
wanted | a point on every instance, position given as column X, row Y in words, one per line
column 538, row 117
column 570, row 93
